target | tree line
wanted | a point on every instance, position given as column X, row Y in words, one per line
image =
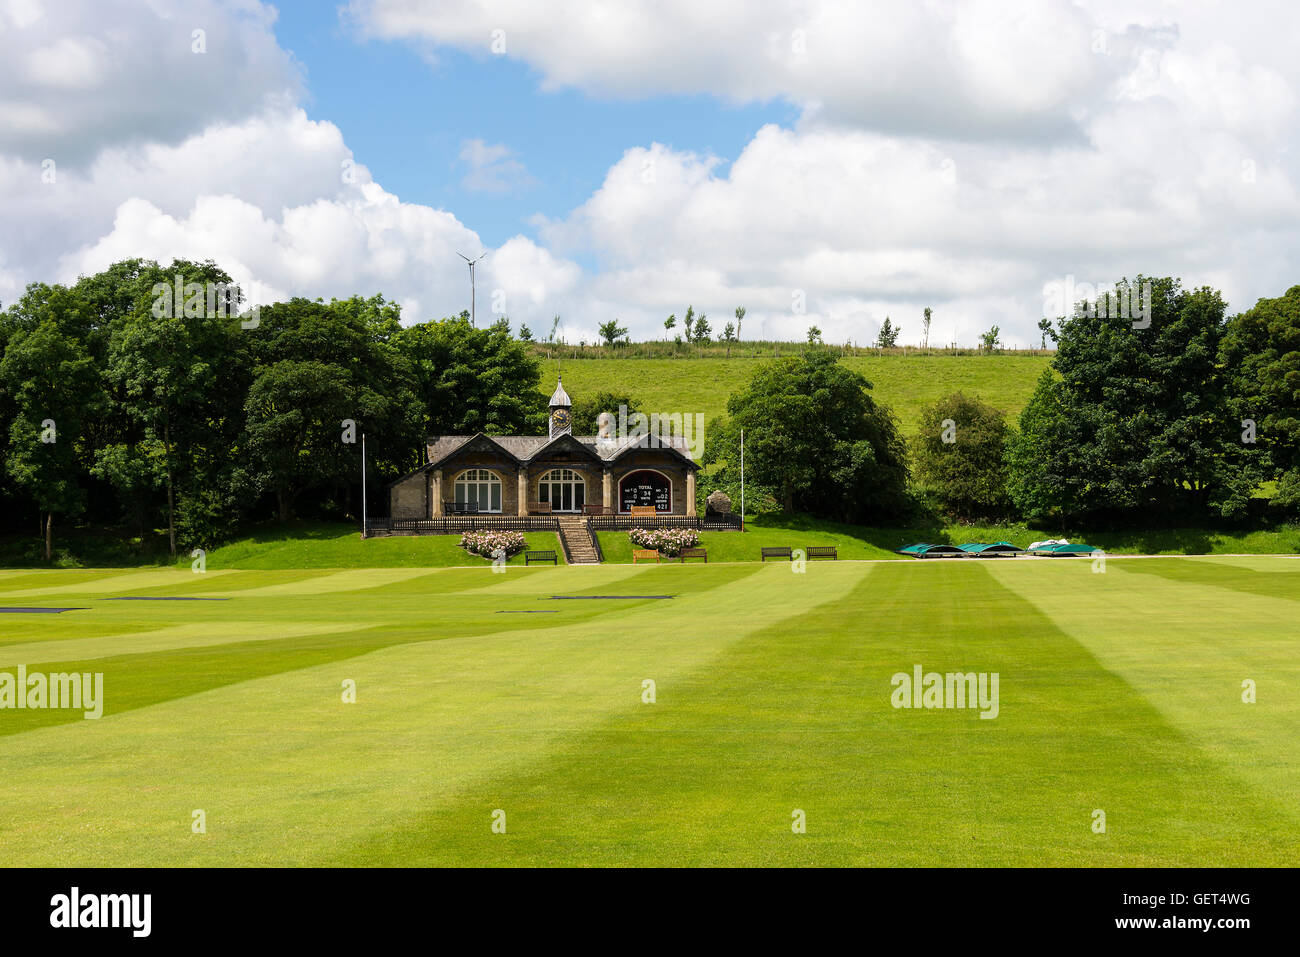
column 1188, row 416
column 140, row 397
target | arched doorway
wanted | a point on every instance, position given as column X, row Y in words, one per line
column 564, row 489
column 645, row 487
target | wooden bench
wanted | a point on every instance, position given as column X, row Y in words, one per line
column 460, row 508
column 644, row 511
column 595, row 510
column 822, row 551
column 542, row 555
column 644, row 555
column 693, row 553
column 540, row 508
column 782, row 552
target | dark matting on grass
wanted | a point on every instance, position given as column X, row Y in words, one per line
column 160, row 598
column 603, row 597
column 37, row 611
column 511, row 611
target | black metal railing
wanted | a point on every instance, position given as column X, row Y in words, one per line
column 712, row 523
column 453, row 524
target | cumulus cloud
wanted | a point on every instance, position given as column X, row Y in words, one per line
column 79, row 76
column 958, row 156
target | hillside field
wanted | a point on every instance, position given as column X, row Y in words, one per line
column 907, row 383
column 481, row 698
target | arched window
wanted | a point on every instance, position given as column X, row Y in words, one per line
column 479, row 487
column 564, row 489
column 645, row 487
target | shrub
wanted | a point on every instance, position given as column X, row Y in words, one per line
column 485, row 543
column 666, row 541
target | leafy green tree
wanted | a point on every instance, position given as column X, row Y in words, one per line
column 888, row 336
column 54, row 387
column 702, row 329
column 174, row 372
column 740, row 320
column 814, row 336
column 815, row 437
column 611, row 331
column 469, row 380
column 295, row 414
column 1045, row 329
column 925, row 323
column 1139, row 420
column 587, row 408
column 668, row 325
column 1261, row 350
column 990, row 339
column 525, row 334
column 959, row 456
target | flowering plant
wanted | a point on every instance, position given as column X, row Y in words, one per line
column 485, row 543
column 666, row 541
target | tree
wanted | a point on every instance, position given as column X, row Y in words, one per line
column 990, row 339
column 611, row 331
column 740, row 320
column 1045, row 329
column 469, row 380
column 813, row 436
column 728, row 335
column 295, row 410
column 702, row 329
column 668, row 325
column 1139, row 421
column 525, row 334
column 925, row 322
column 814, row 336
column 888, row 336
column 1261, row 348
column 586, row 409
column 174, row 373
column 54, row 386
column 960, row 456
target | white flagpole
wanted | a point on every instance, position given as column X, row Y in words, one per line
column 742, row 480
column 364, row 529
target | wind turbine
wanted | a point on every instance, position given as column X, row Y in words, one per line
column 472, row 264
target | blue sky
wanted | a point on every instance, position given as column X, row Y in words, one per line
column 406, row 116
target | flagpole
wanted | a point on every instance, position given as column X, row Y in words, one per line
column 364, row 529
column 742, row 480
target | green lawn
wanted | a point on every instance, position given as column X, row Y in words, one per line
column 476, row 692
column 906, row 383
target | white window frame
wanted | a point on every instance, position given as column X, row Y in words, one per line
column 482, row 480
column 565, row 477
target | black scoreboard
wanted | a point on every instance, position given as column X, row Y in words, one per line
column 645, row 488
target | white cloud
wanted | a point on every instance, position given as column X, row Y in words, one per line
column 80, row 76
column 492, row 169
column 958, row 156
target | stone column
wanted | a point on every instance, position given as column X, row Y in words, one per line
column 523, row 490
column 436, row 492
column 607, row 490
column 690, row 493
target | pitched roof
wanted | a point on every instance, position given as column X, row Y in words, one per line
column 525, row 447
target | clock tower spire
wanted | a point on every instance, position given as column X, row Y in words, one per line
column 561, row 418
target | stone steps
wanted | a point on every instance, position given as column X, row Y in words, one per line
column 573, row 531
